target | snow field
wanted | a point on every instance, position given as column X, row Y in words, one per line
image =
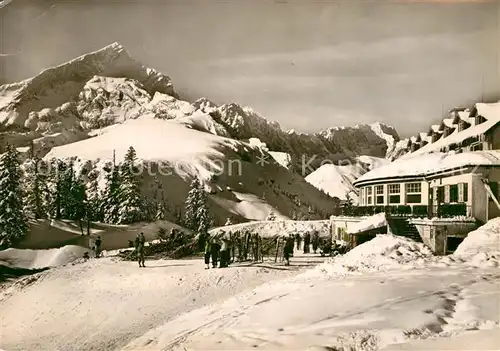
column 102, row 304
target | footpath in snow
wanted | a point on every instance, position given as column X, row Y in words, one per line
column 103, row 304
column 407, row 295
column 387, row 294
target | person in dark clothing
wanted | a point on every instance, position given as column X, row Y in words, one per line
column 288, row 249
column 207, row 253
column 315, row 241
column 97, row 247
column 214, row 251
column 307, row 242
column 298, row 240
column 140, row 241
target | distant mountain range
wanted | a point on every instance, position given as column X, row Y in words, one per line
column 64, row 110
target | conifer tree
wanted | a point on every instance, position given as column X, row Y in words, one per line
column 348, row 206
column 191, row 208
column 67, row 190
column 35, row 186
column 55, row 196
column 131, row 204
column 79, row 201
column 271, row 216
column 197, row 216
column 13, row 222
column 111, row 198
column 93, row 198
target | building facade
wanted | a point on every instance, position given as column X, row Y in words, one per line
column 465, row 184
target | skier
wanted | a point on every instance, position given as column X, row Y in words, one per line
column 97, row 247
column 307, row 242
column 140, row 240
column 315, row 241
column 288, row 249
column 298, row 239
column 224, row 253
column 207, row 252
column 214, row 251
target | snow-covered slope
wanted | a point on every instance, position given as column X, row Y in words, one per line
column 337, row 180
column 174, row 154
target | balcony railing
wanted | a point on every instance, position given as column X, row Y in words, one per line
column 442, row 210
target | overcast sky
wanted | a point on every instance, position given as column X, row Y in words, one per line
column 307, row 64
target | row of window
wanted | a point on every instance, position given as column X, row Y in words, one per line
column 452, row 193
column 412, row 191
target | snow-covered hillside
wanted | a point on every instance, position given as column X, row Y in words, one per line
column 172, row 154
column 337, row 180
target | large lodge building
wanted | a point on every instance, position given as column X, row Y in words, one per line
column 452, row 170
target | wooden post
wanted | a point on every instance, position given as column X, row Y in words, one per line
column 277, row 249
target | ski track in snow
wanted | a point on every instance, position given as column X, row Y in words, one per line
column 412, row 305
column 103, row 304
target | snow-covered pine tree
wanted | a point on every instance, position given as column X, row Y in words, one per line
column 35, row 184
column 271, row 216
column 56, row 188
column 203, row 216
column 13, row 222
column 191, row 206
column 157, row 208
column 228, row 222
column 161, row 210
column 79, row 201
column 348, row 205
column 111, row 198
column 131, row 204
column 93, row 198
column 197, row 216
column 67, row 190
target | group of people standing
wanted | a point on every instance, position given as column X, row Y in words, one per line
column 218, row 252
column 308, row 240
column 296, row 241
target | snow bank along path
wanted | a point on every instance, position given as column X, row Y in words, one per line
column 366, row 312
column 382, row 253
column 31, row 259
column 408, row 294
column 102, row 304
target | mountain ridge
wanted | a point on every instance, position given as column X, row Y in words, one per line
column 56, row 112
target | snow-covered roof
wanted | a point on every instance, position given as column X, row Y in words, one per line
column 465, row 116
column 429, row 164
column 489, row 111
column 424, row 137
column 376, row 221
column 434, row 128
column 447, row 122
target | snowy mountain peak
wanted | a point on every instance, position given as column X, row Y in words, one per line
column 56, row 85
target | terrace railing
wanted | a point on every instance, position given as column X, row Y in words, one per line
column 442, row 210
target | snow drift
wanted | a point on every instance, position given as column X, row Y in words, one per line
column 382, row 253
column 485, row 239
column 32, row 259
